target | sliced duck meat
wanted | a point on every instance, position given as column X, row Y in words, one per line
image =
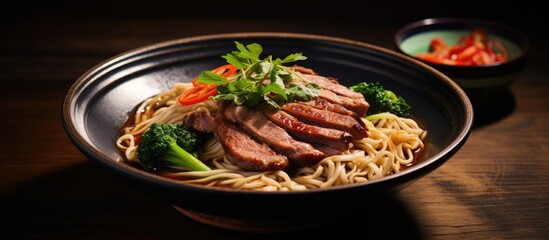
column 328, row 119
column 324, row 104
column 334, row 138
column 262, row 129
column 199, row 121
column 336, row 93
column 328, row 150
column 305, row 70
column 357, row 105
column 330, row 84
column 247, row 153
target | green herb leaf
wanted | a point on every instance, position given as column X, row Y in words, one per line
column 233, row 59
column 304, row 93
column 281, row 74
column 250, row 51
column 275, row 88
column 293, row 58
column 259, row 80
column 260, row 70
column 210, row 77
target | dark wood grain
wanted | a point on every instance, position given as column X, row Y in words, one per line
column 495, row 187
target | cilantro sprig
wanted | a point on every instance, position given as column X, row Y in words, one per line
column 259, row 80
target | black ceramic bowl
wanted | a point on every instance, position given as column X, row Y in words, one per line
column 414, row 38
column 98, row 103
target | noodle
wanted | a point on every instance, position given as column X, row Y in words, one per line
column 392, row 144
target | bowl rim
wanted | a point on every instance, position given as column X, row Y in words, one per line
column 519, row 37
column 81, row 142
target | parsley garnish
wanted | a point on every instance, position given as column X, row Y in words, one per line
column 259, row 80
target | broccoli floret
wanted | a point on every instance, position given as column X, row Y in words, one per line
column 169, row 145
column 382, row 100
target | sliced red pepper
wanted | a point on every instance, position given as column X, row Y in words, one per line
column 197, row 94
column 437, row 44
column 226, row 70
column 500, row 53
column 202, row 91
column 435, row 59
column 474, row 49
column 479, row 35
column 467, row 53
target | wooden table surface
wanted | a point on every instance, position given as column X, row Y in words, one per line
column 495, row 187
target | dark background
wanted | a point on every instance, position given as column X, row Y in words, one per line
column 80, row 34
column 341, row 10
column 91, row 23
column 521, row 13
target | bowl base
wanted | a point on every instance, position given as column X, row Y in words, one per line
column 251, row 225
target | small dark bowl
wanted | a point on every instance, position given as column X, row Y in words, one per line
column 98, row 104
column 415, row 38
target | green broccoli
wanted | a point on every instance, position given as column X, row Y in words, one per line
column 169, row 145
column 382, row 100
